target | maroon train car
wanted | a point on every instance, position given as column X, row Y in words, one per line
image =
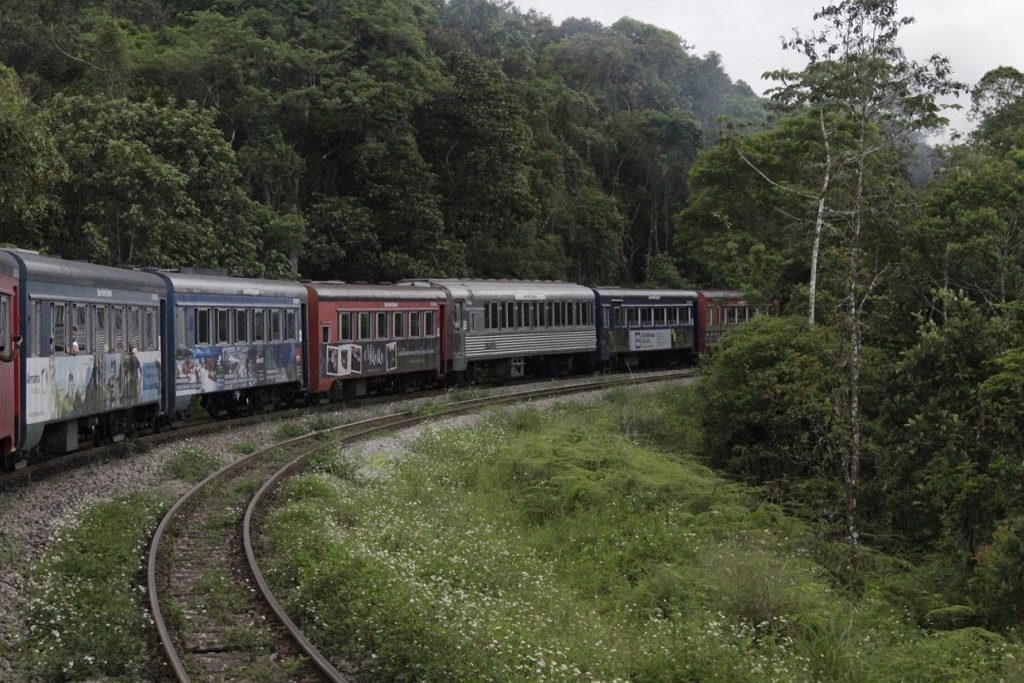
column 10, row 326
column 717, row 311
column 374, row 338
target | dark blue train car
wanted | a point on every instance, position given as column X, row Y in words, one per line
column 637, row 327
column 236, row 343
column 90, row 365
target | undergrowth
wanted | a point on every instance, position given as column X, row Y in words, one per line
column 88, row 608
column 567, row 545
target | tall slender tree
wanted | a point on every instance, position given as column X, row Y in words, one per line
column 858, row 74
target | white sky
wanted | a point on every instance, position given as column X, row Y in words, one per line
column 976, row 36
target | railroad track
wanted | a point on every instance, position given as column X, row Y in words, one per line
column 216, row 617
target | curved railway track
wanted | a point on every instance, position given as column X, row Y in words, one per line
column 212, row 623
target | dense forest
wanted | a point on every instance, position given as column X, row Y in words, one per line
column 373, row 140
column 351, row 140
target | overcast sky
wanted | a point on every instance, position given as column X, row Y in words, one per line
column 976, row 36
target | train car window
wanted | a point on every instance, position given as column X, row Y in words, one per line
column 363, row 332
column 223, row 326
column 151, row 339
column 5, row 321
column 397, row 325
column 606, row 316
column 382, row 325
column 241, row 325
column 659, row 316
column 488, row 317
column 276, row 331
column 633, row 317
column 325, row 334
column 202, row 326
column 345, row 326
column 428, row 324
column 118, row 315
column 259, row 325
column 180, row 333
column 100, row 318
column 37, row 327
column 414, row 324
column 134, row 328
column 291, row 327
column 80, row 327
column 58, row 328
column 473, row 321
column 543, row 313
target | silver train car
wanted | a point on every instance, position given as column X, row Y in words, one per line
column 506, row 329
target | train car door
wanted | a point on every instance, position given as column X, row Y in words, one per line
column 9, row 374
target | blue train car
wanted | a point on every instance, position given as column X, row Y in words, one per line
column 236, row 343
column 90, row 364
column 638, row 327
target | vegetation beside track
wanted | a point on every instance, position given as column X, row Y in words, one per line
column 562, row 544
column 88, row 615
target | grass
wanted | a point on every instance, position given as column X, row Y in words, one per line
column 192, row 466
column 89, row 616
column 564, row 544
column 290, row 431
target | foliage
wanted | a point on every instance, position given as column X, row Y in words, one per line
column 89, row 615
column 769, row 401
column 371, row 141
column 545, row 546
column 192, row 466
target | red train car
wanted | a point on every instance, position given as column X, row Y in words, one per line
column 10, row 327
column 717, row 311
column 375, row 338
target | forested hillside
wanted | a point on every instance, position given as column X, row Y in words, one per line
column 356, row 140
column 378, row 139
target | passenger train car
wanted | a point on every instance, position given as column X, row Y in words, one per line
column 507, row 328
column 107, row 350
column 89, row 363
column 374, row 337
column 717, row 311
column 237, row 343
column 645, row 326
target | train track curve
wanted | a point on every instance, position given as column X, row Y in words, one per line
column 203, row 547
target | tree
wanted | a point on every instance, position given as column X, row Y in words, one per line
column 155, row 185
column 997, row 104
column 858, row 73
column 30, row 167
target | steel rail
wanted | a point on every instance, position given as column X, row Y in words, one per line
column 298, row 636
column 392, row 420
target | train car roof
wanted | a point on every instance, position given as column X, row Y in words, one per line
column 8, row 264
column 525, row 290
column 227, row 285
column 339, row 291
column 722, row 294
column 52, row 269
column 649, row 294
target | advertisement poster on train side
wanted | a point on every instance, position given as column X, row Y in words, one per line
column 376, row 358
column 650, row 340
column 209, row 369
column 62, row 387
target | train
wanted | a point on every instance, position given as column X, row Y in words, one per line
column 95, row 353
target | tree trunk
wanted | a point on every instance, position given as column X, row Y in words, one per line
column 819, row 222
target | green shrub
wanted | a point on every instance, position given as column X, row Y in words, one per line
column 192, row 466
column 88, row 612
